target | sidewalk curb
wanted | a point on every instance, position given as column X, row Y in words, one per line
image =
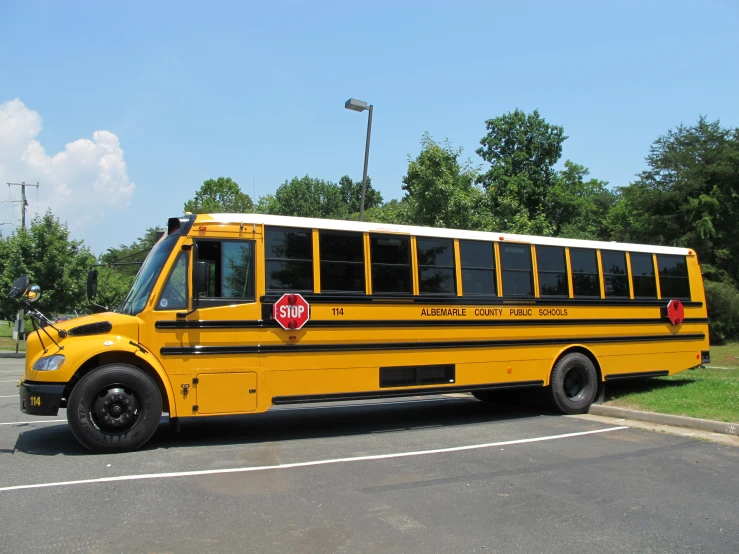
column 9, row 354
column 708, row 425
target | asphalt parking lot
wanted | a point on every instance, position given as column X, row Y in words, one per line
column 435, row 474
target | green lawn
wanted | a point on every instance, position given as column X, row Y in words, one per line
column 705, row 392
column 6, row 337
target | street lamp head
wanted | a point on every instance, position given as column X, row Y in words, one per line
column 356, row 105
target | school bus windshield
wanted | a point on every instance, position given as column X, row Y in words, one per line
column 147, row 276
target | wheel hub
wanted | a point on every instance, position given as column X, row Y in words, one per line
column 115, row 409
column 574, row 383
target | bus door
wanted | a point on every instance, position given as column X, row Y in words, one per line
column 211, row 353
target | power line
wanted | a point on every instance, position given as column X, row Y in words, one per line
column 24, row 202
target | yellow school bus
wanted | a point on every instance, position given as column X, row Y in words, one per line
column 391, row 311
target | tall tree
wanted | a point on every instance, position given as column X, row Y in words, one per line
column 306, row 197
column 688, row 196
column 222, row 195
column 351, row 193
column 577, row 207
column 57, row 264
column 441, row 190
column 522, row 150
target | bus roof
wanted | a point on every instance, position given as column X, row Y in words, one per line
column 370, row 227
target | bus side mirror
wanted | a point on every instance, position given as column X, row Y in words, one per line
column 201, row 278
column 92, row 284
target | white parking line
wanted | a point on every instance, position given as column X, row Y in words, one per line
column 13, row 371
column 11, row 381
column 36, row 421
column 305, row 464
column 10, row 396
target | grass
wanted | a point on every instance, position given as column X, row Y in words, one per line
column 705, row 392
column 6, row 338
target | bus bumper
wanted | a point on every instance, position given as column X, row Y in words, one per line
column 40, row 398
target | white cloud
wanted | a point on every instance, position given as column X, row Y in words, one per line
column 81, row 184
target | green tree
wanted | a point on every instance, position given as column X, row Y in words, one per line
column 57, row 264
column 351, row 193
column 441, row 190
column 578, row 207
column 688, row 196
column 222, row 195
column 306, row 197
column 114, row 282
column 522, row 150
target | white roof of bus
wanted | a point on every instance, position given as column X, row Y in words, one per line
column 365, row 226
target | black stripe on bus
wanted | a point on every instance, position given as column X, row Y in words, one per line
column 427, row 345
column 619, row 376
column 313, row 298
column 334, row 397
column 340, row 323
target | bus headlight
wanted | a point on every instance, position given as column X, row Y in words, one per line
column 49, row 363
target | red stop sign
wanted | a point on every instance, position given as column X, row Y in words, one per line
column 291, row 311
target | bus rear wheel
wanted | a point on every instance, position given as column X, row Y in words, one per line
column 115, row 408
column 574, row 383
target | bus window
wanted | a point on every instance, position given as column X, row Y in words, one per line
column 478, row 267
column 585, row 277
column 615, row 277
column 673, row 276
column 342, row 261
column 515, row 262
column 289, row 259
column 436, row 266
column 174, row 294
column 391, row 264
column 552, row 268
column 642, row 275
column 231, row 270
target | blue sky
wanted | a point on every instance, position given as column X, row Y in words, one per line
column 248, row 90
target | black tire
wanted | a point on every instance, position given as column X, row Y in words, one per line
column 574, row 384
column 115, row 408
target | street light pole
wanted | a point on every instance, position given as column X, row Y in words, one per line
column 359, row 106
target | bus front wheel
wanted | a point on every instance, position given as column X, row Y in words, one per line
column 574, row 383
column 115, row 408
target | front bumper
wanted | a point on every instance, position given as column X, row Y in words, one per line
column 40, row 398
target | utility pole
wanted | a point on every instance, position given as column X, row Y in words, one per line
column 24, row 203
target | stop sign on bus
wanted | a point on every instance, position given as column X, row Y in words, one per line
column 291, row 311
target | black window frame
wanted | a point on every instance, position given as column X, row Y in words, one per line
column 157, row 308
column 610, row 277
column 564, row 271
column 268, row 260
column 478, row 268
column 587, row 273
column 324, row 263
column 504, row 272
column 452, row 267
column 662, row 277
column 635, row 279
column 214, row 301
column 374, row 264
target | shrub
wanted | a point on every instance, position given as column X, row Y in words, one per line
column 722, row 300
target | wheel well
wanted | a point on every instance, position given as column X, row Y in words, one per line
column 117, row 358
column 581, row 350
